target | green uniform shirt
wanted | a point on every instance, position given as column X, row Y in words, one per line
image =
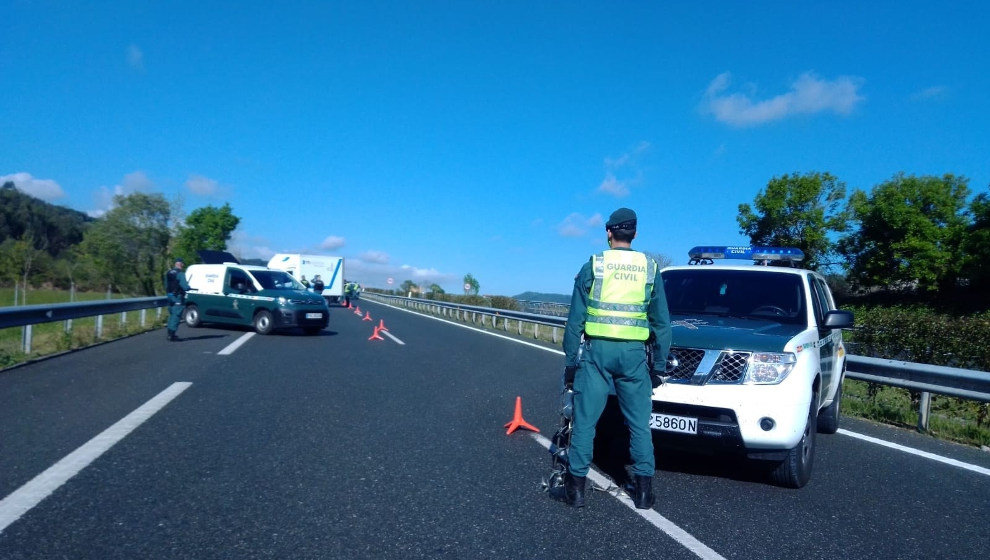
column 656, row 312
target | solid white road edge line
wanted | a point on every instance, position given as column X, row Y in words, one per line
column 40, row 487
column 918, row 452
column 654, row 518
column 236, row 344
column 509, row 338
column 877, row 441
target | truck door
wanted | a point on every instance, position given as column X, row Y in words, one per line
column 827, row 347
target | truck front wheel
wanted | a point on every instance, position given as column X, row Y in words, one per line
column 795, row 470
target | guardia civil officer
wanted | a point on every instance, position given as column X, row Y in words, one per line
column 175, row 289
column 618, row 307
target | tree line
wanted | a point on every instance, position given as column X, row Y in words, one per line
column 128, row 249
column 909, row 238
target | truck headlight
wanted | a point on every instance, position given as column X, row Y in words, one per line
column 769, row 368
column 282, row 300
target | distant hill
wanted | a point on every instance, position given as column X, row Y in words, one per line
column 54, row 228
column 539, row 296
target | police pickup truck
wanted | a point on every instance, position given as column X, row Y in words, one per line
column 756, row 361
column 265, row 299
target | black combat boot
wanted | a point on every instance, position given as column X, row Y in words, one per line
column 574, row 489
column 642, row 493
column 171, row 335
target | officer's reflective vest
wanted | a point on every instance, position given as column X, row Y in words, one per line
column 620, row 295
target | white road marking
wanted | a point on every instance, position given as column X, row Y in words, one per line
column 685, row 539
column 918, row 452
column 236, row 344
column 40, row 487
column 388, row 334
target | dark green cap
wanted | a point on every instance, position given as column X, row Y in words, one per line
column 623, row 218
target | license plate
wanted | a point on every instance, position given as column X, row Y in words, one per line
column 314, row 315
column 669, row 423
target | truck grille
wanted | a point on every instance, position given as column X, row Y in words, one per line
column 721, row 366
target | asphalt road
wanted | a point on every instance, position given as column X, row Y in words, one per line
column 336, row 446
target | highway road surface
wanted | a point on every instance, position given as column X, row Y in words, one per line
column 232, row 445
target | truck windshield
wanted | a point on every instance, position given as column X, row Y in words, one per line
column 756, row 294
column 276, row 280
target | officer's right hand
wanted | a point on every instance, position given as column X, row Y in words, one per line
column 656, row 377
column 569, row 372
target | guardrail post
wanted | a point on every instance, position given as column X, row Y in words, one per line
column 924, row 406
column 553, row 336
column 536, row 331
column 123, row 319
column 142, row 317
column 99, row 326
column 26, row 339
column 519, row 326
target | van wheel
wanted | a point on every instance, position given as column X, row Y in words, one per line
column 192, row 316
column 828, row 419
column 263, row 322
column 795, row 470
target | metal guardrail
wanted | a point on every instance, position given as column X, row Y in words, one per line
column 923, row 378
column 34, row 314
column 28, row 315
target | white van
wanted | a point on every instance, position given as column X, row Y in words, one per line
column 330, row 269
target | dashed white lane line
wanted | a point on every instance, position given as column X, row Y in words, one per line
column 390, row 335
column 685, row 539
column 236, row 344
column 918, row 452
column 40, row 487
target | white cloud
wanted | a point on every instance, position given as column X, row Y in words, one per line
column 45, row 189
column 807, row 95
column 203, row 186
column 133, row 182
column 616, row 182
column 244, row 246
column 135, row 58
column 613, row 186
column 332, row 242
column 576, row 225
column 934, row 92
column 377, row 257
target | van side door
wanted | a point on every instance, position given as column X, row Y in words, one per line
column 239, row 301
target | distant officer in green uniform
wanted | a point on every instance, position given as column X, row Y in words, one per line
column 350, row 290
column 176, row 287
column 618, row 307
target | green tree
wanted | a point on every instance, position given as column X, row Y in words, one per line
column 129, row 244
column 909, row 233
column 436, row 289
column 408, row 286
column 976, row 243
column 205, row 228
column 475, row 287
column 798, row 211
column 18, row 258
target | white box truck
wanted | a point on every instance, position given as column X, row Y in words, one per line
column 330, row 270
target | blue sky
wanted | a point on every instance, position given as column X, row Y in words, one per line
column 427, row 140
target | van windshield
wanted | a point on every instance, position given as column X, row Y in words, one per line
column 747, row 294
column 276, row 280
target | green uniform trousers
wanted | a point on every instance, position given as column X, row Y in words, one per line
column 624, row 364
column 175, row 309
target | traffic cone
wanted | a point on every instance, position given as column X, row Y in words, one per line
column 357, row 310
column 374, row 335
column 367, row 316
column 381, row 325
column 517, row 420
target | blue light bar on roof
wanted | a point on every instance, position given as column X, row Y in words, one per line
column 749, row 253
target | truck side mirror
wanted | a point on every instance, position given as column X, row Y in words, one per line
column 839, row 319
